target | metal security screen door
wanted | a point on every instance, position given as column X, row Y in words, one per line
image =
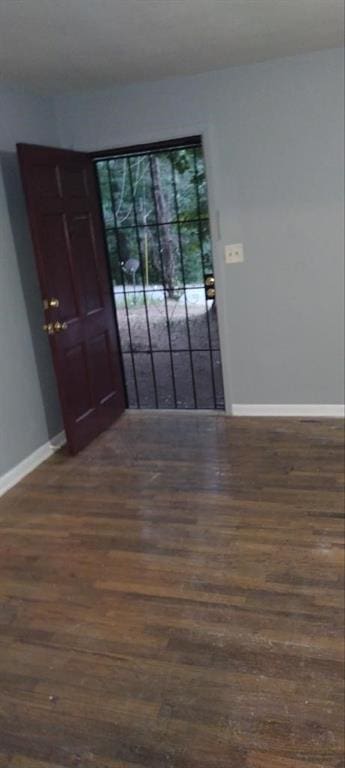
column 156, row 223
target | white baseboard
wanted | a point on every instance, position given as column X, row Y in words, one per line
column 311, row 410
column 14, row 475
column 58, row 441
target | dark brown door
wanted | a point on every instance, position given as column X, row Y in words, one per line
column 76, row 291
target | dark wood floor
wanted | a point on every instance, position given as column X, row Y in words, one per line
column 172, row 598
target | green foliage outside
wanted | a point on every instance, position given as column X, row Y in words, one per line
column 155, row 211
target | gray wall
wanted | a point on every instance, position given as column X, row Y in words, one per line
column 274, row 145
column 29, row 410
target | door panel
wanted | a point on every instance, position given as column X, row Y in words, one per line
column 82, row 242
column 78, row 382
column 71, row 260
column 58, row 269
column 100, row 360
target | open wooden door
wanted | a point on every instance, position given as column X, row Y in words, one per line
column 67, row 235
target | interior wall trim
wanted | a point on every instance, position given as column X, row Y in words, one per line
column 27, row 465
column 316, row 410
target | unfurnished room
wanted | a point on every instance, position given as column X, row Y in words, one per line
column 172, row 384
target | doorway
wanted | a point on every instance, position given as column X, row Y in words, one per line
column 156, row 225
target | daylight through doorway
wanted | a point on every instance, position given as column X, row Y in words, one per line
column 156, row 222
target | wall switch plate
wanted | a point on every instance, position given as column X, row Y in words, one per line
column 234, row 253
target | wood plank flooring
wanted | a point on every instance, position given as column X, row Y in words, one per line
column 173, row 598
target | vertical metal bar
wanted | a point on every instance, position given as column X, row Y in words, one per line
column 142, row 277
column 202, row 255
column 184, row 279
column 164, row 291
column 123, row 282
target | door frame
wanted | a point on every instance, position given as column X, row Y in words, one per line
column 163, row 140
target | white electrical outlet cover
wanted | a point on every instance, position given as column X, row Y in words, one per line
column 234, row 253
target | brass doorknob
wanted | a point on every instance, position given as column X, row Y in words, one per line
column 48, row 328
column 51, row 303
column 58, row 326
column 210, row 293
column 210, row 281
column 51, row 328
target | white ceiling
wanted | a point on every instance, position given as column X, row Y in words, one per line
column 59, row 44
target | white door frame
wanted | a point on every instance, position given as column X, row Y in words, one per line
column 206, row 132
